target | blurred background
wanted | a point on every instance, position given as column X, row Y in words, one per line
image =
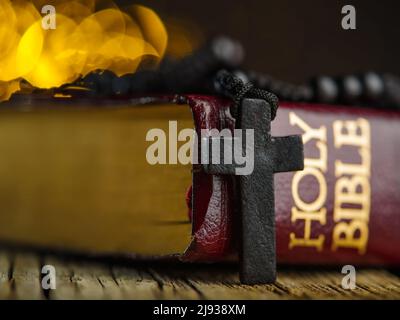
column 295, row 40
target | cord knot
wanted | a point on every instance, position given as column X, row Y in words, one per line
column 233, row 87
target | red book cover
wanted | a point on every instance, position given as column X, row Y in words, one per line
column 342, row 208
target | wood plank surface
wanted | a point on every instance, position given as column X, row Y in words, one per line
column 20, row 278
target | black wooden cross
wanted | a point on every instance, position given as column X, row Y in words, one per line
column 271, row 155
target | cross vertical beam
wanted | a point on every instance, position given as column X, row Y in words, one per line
column 257, row 253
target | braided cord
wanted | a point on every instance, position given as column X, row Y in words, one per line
column 234, row 88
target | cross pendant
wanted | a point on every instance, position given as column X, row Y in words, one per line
column 256, row 190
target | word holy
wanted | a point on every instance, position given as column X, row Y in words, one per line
column 217, row 147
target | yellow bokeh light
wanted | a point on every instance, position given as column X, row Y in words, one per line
column 85, row 39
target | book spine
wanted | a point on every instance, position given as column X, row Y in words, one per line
column 343, row 208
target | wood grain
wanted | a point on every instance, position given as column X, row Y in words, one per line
column 25, row 277
column 20, row 278
column 5, row 268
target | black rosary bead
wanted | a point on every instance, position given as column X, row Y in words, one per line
column 325, row 89
column 194, row 72
column 263, row 80
column 104, row 85
column 392, row 91
column 287, row 91
column 242, row 76
column 302, row 93
column 373, row 86
column 146, row 81
column 90, row 81
column 227, row 51
column 260, row 80
column 351, row 89
column 99, row 82
column 122, row 85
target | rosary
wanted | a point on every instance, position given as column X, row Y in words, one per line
column 196, row 73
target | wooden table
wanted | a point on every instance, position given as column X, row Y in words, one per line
column 20, row 278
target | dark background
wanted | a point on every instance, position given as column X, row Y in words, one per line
column 293, row 39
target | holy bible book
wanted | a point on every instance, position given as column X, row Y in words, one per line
column 75, row 176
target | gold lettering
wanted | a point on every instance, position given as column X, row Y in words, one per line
column 352, row 189
column 320, row 200
column 346, row 193
column 313, row 211
column 344, row 235
column 308, row 218
column 322, row 161
column 350, row 136
column 309, row 133
column 362, row 168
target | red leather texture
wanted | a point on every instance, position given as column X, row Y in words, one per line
column 215, row 232
column 211, row 210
